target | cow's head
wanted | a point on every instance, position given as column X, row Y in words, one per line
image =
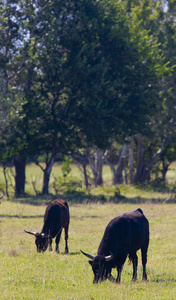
column 41, row 240
column 100, row 266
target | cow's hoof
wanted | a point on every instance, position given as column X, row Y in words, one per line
column 134, row 280
column 144, row 279
column 111, row 278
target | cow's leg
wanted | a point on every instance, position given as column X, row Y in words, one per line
column 134, row 259
column 111, row 278
column 119, row 272
column 144, row 261
column 50, row 244
column 120, row 267
column 58, row 240
column 66, row 239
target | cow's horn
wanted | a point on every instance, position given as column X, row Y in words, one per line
column 88, row 255
column 109, row 258
column 33, row 233
column 44, row 235
column 2, row 195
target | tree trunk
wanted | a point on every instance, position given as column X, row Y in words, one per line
column 140, row 158
column 130, row 161
column 46, row 175
column 143, row 171
column 86, row 181
column 118, row 173
column 165, row 167
column 81, row 160
column 20, row 166
column 6, row 181
column 47, row 170
column 164, row 171
column 96, row 165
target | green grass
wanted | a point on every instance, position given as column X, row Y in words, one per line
column 26, row 274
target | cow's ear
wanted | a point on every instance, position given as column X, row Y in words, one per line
column 90, row 262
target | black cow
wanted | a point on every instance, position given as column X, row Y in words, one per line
column 55, row 219
column 123, row 236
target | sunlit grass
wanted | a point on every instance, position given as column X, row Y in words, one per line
column 26, row 274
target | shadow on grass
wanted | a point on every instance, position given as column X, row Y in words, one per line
column 21, row 217
column 163, row 280
column 85, row 198
column 41, row 216
column 70, row 253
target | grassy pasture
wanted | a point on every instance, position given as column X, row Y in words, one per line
column 26, row 274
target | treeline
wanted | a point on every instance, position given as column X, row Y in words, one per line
column 91, row 79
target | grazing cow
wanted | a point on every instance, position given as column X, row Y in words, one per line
column 55, row 219
column 123, row 236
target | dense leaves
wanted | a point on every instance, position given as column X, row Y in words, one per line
column 77, row 74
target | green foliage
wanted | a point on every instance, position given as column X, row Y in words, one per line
column 66, row 169
column 126, row 76
column 79, row 73
column 67, row 185
column 158, row 18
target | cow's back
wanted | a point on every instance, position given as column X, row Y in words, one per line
column 139, row 230
column 125, row 233
column 56, row 217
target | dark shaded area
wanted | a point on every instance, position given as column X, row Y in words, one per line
column 21, row 217
column 157, row 185
column 71, row 253
column 84, row 198
column 162, row 280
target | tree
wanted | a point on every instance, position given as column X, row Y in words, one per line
column 10, row 99
column 159, row 21
column 96, row 161
column 82, row 73
column 19, row 77
column 56, row 130
column 80, row 157
column 119, row 84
